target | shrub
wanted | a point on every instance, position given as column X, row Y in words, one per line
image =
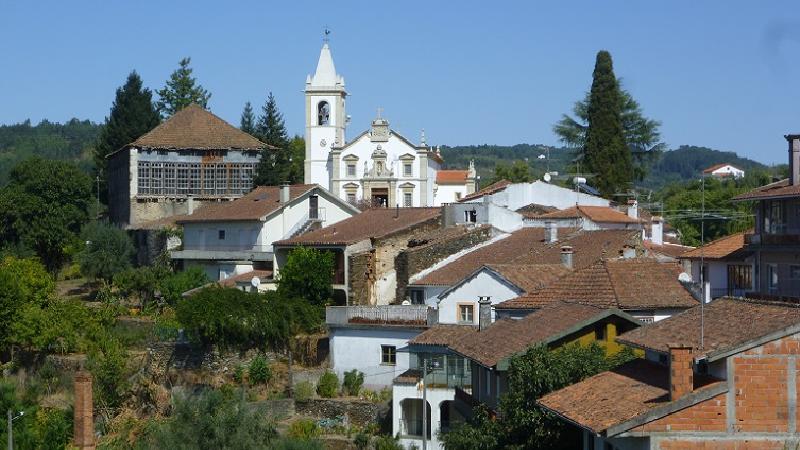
column 108, row 251
column 305, row 429
column 361, row 441
column 303, row 390
column 238, row 374
column 260, row 372
column 387, row 443
column 353, row 380
column 107, row 364
column 328, row 385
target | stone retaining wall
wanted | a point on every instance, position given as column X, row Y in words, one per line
column 358, row 413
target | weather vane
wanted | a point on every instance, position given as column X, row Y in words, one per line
column 326, row 34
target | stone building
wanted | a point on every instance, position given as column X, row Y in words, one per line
column 192, row 158
column 379, row 165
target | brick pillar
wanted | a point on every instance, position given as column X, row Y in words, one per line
column 83, row 433
column 681, row 370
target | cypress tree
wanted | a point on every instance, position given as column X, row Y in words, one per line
column 248, row 121
column 132, row 115
column 275, row 165
column 181, row 91
column 605, row 151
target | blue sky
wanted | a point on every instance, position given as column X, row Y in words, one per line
column 722, row 74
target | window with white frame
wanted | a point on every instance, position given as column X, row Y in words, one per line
column 408, row 199
column 388, row 355
column 466, row 313
column 407, row 169
column 351, row 170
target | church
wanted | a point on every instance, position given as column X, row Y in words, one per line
column 379, row 166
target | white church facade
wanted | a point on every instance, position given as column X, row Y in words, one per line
column 379, row 166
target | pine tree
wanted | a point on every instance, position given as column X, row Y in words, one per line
column 181, row 91
column 605, row 151
column 275, row 165
column 132, row 115
column 248, row 121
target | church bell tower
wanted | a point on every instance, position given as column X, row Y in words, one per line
column 325, row 118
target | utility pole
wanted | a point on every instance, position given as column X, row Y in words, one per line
column 424, row 404
column 702, row 259
column 10, row 430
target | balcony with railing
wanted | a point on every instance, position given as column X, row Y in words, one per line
column 392, row 315
column 224, row 252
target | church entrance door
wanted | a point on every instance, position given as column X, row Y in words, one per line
column 380, row 197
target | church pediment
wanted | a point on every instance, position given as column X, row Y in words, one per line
column 406, row 157
column 350, row 158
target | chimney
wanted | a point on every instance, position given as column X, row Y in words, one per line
column 633, row 209
column 566, row 256
column 681, row 370
column 550, row 232
column 484, row 313
column 284, row 193
column 189, row 205
column 657, row 230
column 83, row 431
column 628, row 251
column 794, row 158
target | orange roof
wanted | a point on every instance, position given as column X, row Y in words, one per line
column 452, row 176
column 779, row 189
column 718, row 166
column 719, row 249
column 258, row 203
column 195, row 128
column 594, row 213
column 246, row 277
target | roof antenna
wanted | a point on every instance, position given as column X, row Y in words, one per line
column 702, row 259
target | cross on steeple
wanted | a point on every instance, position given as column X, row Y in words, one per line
column 380, row 110
column 325, row 34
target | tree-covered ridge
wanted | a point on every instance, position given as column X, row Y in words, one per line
column 71, row 141
column 679, row 165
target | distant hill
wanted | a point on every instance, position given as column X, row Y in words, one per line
column 71, row 141
column 682, row 164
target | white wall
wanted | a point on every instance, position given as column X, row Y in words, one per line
column 435, row 397
column 238, row 236
column 447, row 193
column 517, row 195
column 485, row 283
column 360, row 348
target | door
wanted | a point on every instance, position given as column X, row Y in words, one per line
column 313, row 207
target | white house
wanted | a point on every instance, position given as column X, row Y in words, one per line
column 232, row 238
column 368, row 339
column 724, row 170
column 497, row 282
column 727, row 266
column 515, row 196
column 379, row 165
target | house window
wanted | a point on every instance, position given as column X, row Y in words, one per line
column 600, row 332
column 466, row 313
column 470, row 216
column 221, row 234
column 772, row 277
column 351, row 197
column 417, row 296
column 407, row 170
column 351, row 170
column 388, row 355
column 408, row 200
column 739, row 278
column 794, row 272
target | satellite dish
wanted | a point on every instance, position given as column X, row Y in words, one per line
column 406, row 303
column 255, row 282
column 547, row 177
column 579, row 180
column 684, row 277
column 542, row 156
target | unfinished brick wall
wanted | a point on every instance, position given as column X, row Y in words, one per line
column 681, row 370
column 362, row 277
column 762, row 398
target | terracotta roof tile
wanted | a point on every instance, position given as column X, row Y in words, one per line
column 488, row 190
column 246, row 277
column 774, row 190
column 451, row 176
column 627, row 284
column 195, row 128
column 507, row 337
column 372, row 223
column 729, row 323
column 534, row 210
column 527, row 246
column 614, row 397
column 667, row 248
column 443, row 335
column 260, row 202
column 529, row 277
column 718, row 249
column 595, row 213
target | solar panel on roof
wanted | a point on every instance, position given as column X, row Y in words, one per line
column 588, row 189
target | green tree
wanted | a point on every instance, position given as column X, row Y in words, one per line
column 44, row 207
column 107, row 251
column 297, row 150
column 307, row 275
column 174, row 285
column 23, row 283
column 181, row 91
column 248, row 120
column 132, row 115
column 274, row 167
column 516, row 172
column 612, row 137
column 523, row 423
column 107, row 363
